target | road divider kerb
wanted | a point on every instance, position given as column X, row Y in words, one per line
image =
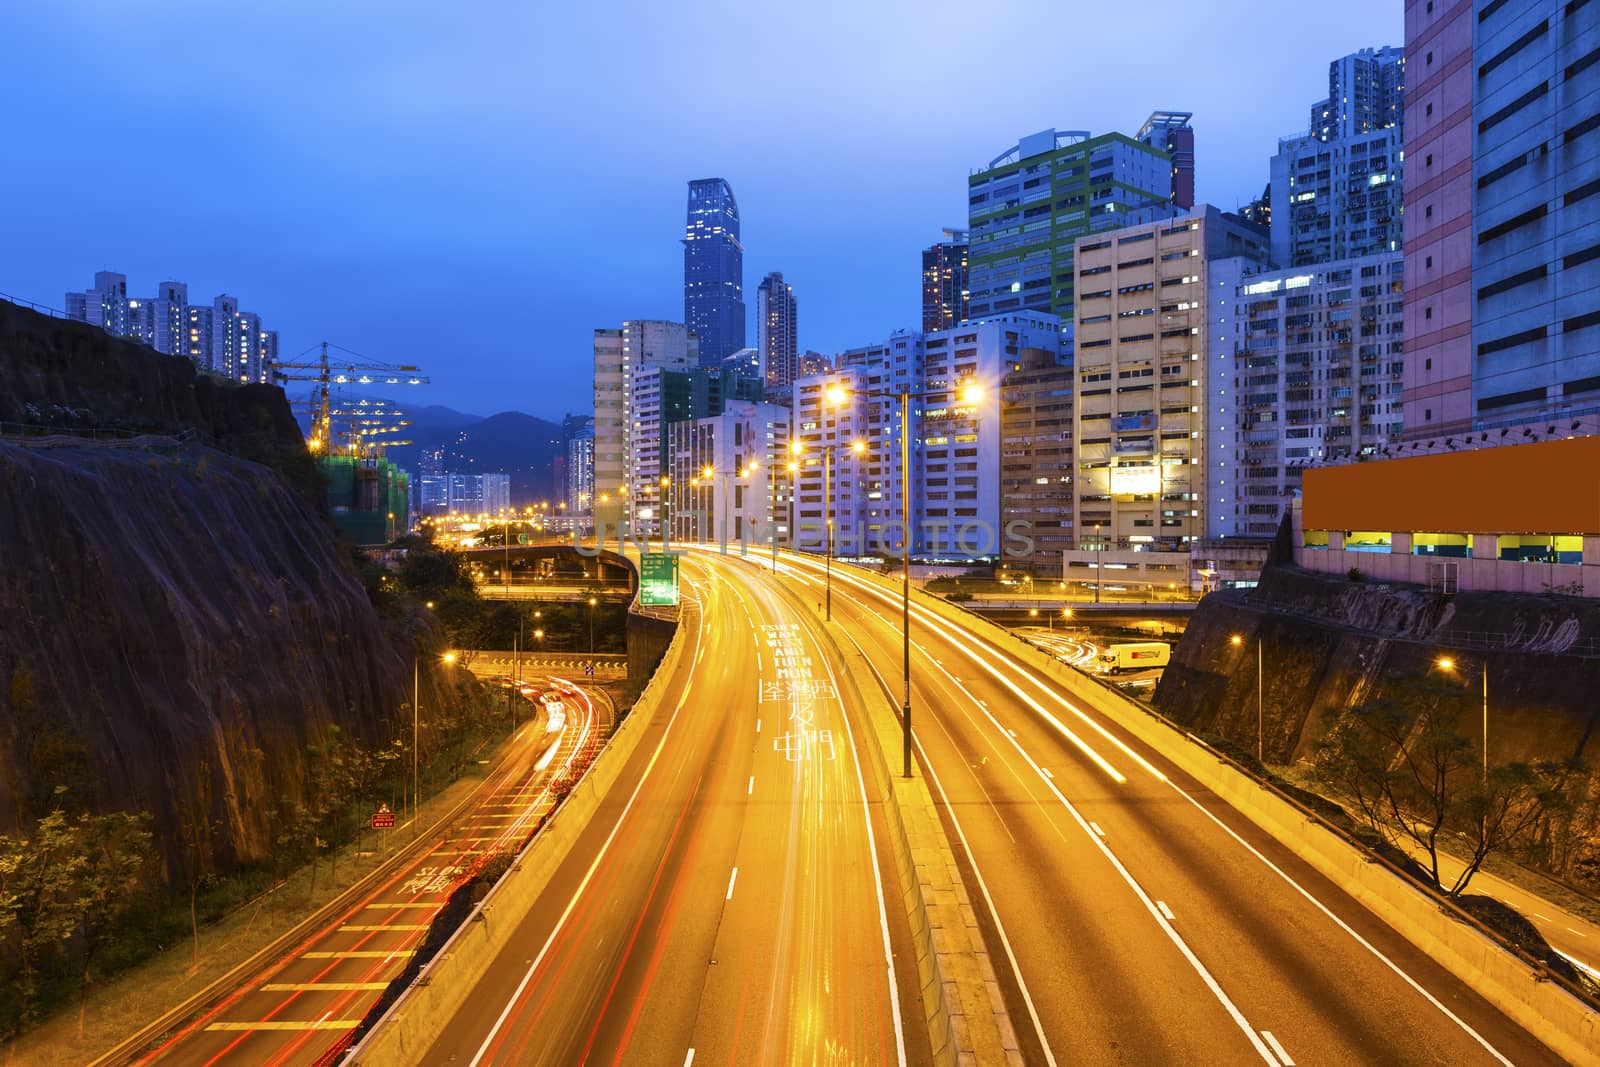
column 411, row 1024
column 1544, row 1008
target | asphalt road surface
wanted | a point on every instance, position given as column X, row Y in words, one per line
column 1134, row 917
column 730, row 900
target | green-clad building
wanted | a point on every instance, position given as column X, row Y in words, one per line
column 1033, row 200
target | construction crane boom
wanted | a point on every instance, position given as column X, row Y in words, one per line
column 347, row 368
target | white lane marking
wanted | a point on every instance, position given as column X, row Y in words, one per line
column 687, row 1060
column 758, row 726
column 1546, row 918
column 1278, row 1048
column 732, row 878
column 877, row 875
column 588, row 876
column 1580, row 965
column 751, row 788
column 1580, row 933
column 1144, row 898
column 1165, row 910
column 983, row 886
column 1280, row 872
column 1046, row 772
column 1096, row 828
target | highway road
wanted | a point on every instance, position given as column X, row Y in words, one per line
column 308, row 1002
column 730, row 901
column 1133, row 916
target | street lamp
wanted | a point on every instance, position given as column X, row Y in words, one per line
column 708, row 475
column 666, row 529
column 793, row 467
column 592, row 602
column 1446, row 663
column 416, row 697
column 1236, row 641
column 857, row 448
column 971, row 393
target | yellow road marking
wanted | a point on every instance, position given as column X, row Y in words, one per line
column 309, row 1024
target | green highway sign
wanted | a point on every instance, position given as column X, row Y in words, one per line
column 658, row 580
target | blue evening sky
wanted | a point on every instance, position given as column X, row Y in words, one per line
column 476, row 186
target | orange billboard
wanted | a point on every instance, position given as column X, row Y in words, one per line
column 1548, row 487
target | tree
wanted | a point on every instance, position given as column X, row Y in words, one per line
column 116, row 852
column 38, row 875
column 1414, row 776
column 198, row 832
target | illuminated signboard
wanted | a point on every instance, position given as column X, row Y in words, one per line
column 658, row 580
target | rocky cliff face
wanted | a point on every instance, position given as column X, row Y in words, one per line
column 177, row 623
column 1328, row 643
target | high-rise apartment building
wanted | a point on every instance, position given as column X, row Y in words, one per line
column 1144, row 364
column 1336, row 190
column 777, row 332
column 1308, row 372
column 944, row 282
column 1366, row 92
column 1337, row 199
column 462, row 494
column 727, row 476
column 1502, row 214
column 1028, row 205
column 639, row 343
column 220, row 338
column 1171, row 133
column 713, row 270
column 956, row 442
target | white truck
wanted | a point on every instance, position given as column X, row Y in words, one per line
column 1134, row 656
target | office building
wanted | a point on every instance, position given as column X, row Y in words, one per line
column 220, row 338
column 713, row 270
column 1036, row 419
column 1502, row 215
column 746, row 363
column 639, row 343
column 810, row 363
column 1144, row 362
column 1366, row 92
column 1026, row 207
column 1170, row 132
column 727, row 476
column 1309, row 373
column 944, row 282
column 777, row 332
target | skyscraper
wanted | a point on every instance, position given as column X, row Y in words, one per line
column 713, row 270
column 944, row 282
column 1030, row 202
column 1502, row 208
column 1170, row 131
column 777, row 332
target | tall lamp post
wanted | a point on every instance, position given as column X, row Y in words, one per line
column 1446, row 663
column 416, row 774
column 970, row 393
column 1236, row 641
column 708, row 475
column 592, row 602
column 666, row 516
column 793, row 466
column 857, row 448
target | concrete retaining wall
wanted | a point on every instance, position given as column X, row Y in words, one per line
column 409, row 1027
column 1543, row 1008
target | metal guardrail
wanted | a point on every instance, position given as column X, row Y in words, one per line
column 38, row 435
column 43, row 309
column 1535, row 643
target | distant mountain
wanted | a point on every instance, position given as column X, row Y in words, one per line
column 522, row 446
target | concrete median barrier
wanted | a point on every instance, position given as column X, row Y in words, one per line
column 409, row 1027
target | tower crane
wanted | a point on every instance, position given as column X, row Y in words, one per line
column 369, row 423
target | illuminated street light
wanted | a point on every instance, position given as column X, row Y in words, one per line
column 1237, row 641
column 971, row 392
column 1446, row 663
